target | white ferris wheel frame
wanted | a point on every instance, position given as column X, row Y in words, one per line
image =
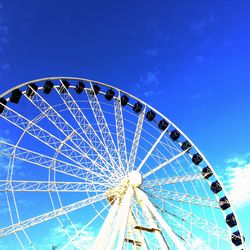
column 113, row 229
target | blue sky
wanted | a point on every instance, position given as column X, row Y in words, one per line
column 188, row 60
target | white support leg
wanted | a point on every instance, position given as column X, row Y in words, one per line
column 152, row 223
column 106, row 227
column 126, row 209
column 121, row 222
column 159, row 218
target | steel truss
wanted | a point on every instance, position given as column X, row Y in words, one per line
column 182, row 197
column 84, row 147
column 46, row 186
column 193, row 219
column 50, row 215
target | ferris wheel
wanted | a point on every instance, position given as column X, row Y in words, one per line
column 85, row 165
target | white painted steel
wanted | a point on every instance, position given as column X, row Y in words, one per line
column 106, row 226
column 98, row 154
column 152, row 223
column 48, row 216
column 160, row 219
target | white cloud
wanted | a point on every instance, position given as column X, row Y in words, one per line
column 199, row 244
column 4, row 29
column 152, row 92
column 5, row 66
column 153, row 52
column 149, row 82
column 150, row 78
column 4, row 162
column 237, row 180
column 199, row 58
column 57, row 237
column 199, row 27
column 197, row 96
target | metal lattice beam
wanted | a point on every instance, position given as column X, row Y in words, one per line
column 103, row 126
column 46, row 186
column 121, row 138
column 151, row 150
column 44, row 161
column 66, row 129
column 50, row 140
column 136, row 140
column 182, row 197
column 93, row 139
column 172, row 180
column 162, row 165
column 193, row 219
column 50, row 215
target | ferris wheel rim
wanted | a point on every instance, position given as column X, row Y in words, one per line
column 135, row 98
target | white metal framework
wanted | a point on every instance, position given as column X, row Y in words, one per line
column 83, row 166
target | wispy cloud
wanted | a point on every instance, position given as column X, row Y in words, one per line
column 4, row 32
column 4, row 133
column 196, row 97
column 153, row 52
column 150, row 78
column 199, row 58
column 199, row 244
column 200, row 26
column 5, row 66
column 57, row 237
column 149, row 81
column 237, row 179
column 152, row 92
column 5, row 160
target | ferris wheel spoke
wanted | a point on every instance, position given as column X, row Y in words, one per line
column 103, row 125
column 162, row 165
column 188, row 236
column 64, row 127
column 171, row 180
column 88, row 148
column 157, row 155
column 136, row 140
column 85, row 126
column 151, row 150
column 81, row 231
column 47, row 162
column 182, row 197
column 50, row 215
column 193, row 219
column 179, row 228
column 32, row 128
column 121, row 139
column 47, row 186
column 48, row 139
column 93, row 139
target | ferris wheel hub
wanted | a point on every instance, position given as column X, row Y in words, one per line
column 135, row 178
